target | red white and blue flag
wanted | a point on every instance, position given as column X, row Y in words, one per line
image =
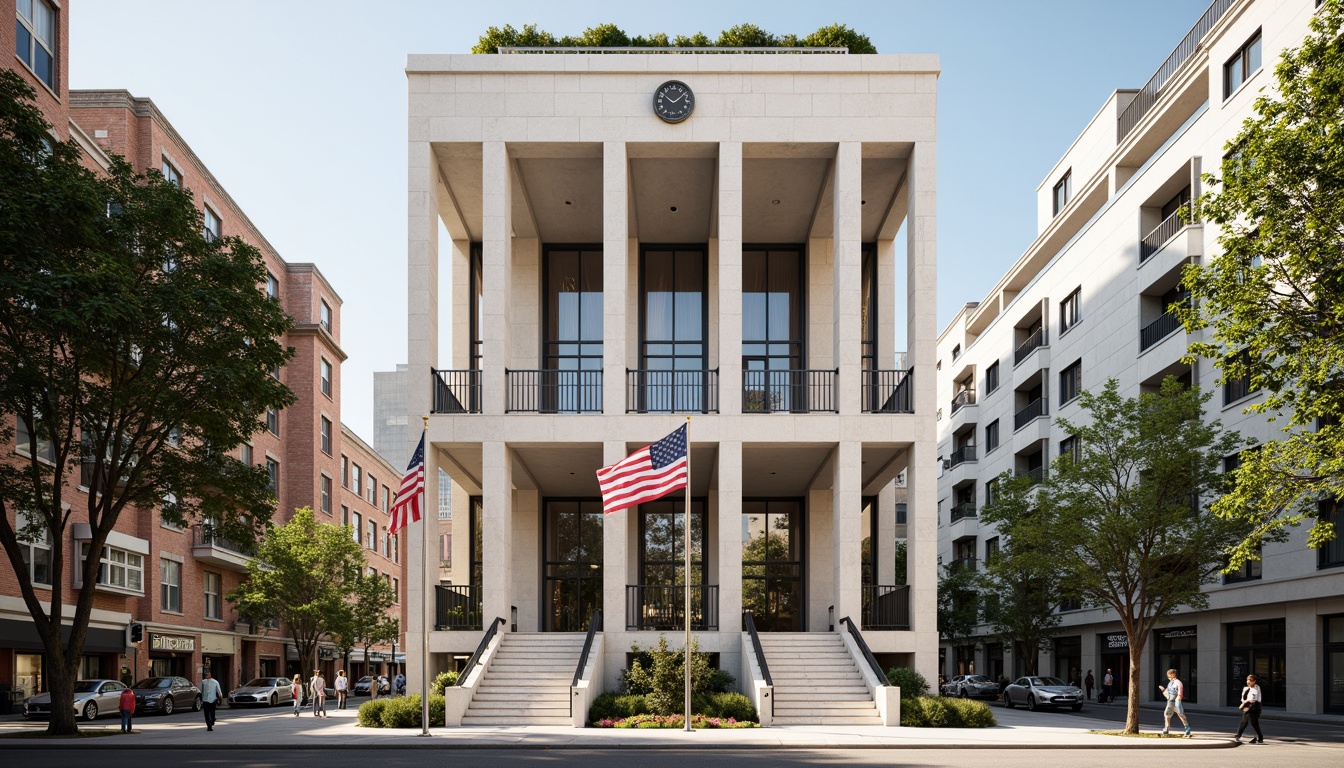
column 647, row 474
column 406, row 509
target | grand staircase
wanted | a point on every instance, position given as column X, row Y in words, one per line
column 528, row 681
column 816, row 680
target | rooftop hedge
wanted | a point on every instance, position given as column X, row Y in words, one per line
column 612, row 36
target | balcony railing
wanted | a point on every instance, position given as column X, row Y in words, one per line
column 963, row 510
column 1035, row 475
column 1158, row 330
column 793, row 391
column 964, row 397
column 1035, row 409
column 208, row 535
column 457, row 391
column 1160, row 235
column 962, row 564
column 1152, row 90
column 656, row 391
column 961, row 456
column 888, row 391
column 886, row 607
column 553, row 391
column 457, row 607
column 663, row 607
column 1037, row 338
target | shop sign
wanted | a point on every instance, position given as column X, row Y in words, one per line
column 171, row 643
column 1115, row 641
column 1171, row 634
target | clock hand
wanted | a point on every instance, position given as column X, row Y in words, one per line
column 669, row 98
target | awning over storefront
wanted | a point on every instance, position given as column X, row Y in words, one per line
column 23, row 636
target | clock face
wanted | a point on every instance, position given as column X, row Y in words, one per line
column 673, row 101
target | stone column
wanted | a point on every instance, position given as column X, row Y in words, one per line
column 730, row 536
column 615, row 553
column 497, row 530
column 496, row 266
column 847, row 263
column 615, row 273
column 847, row 533
column 730, row 277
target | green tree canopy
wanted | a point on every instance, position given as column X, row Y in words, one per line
column 958, row 604
column 366, row 621
column 303, row 576
column 1274, row 297
column 1125, row 526
column 610, row 35
column 134, row 355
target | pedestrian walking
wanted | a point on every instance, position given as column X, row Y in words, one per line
column 1250, row 710
column 211, row 693
column 127, row 706
column 399, row 684
column 1090, row 682
column 296, row 690
column 342, row 688
column 1106, row 686
column 1174, row 691
column 318, row 690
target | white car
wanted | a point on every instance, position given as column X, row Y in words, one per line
column 92, row 698
column 268, row 691
column 1036, row 692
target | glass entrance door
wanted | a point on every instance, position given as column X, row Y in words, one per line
column 772, row 564
column 659, row 600
column 573, row 565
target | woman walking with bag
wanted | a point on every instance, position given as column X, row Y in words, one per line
column 319, row 694
column 1250, row 710
column 296, row 690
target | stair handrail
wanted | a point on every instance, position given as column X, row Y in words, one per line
column 750, row 624
column 593, row 623
column 863, row 647
column 480, row 650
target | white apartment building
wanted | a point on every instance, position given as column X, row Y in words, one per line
column 635, row 237
column 1087, row 302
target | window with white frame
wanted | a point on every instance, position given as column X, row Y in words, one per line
column 245, row 454
column 35, row 39
column 357, row 480
column 345, row 515
column 272, row 286
column 273, row 475
column 326, row 494
column 170, row 173
column 35, row 547
column 371, row 537
column 355, row 526
column 273, row 421
column 326, row 435
column 170, row 585
column 119, row 568
column 24, row 439
column 324, row 318
column 345, row 471
column 396, row 590
column 387, row 544
column 326, row 377
column 373, row 490
column 213, row 227
column 1070, row 310
column 1242, row 65
column 396, row 549
column 1072, row 447
column 213, row 585
column 387, row 498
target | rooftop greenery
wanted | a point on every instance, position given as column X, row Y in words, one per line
column 612, row 36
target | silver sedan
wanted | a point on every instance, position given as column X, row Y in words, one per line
column 92, row 698
column 263, row 690
column 1036, row 692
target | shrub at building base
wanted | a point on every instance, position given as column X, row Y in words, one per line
column 441, row 681
column 912, row 684
column 612, row 710
column 371, row 713
column 401, row 712
column 673, row 721
column 943, row 712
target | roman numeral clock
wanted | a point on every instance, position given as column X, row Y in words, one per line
column 673, row 101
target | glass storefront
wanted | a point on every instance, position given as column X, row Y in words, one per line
column 1257, row 647
column 28, row 673
column 772, row 564
column 573, row 567
column 1177, row 649
column 1334, row 664
column 1068, row 659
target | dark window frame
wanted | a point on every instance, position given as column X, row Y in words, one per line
column 1070, row 310
column 992, row 377
column 1062, row 192
column 991, row 435
column 1071, row 382
column 1248, row 60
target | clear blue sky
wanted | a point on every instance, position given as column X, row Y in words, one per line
column 299, row 109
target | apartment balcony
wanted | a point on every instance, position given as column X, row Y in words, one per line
column 963, row 511
column 662, row 608
column 962, row 564
column 1159, row 329
column 1035, row 475
column 456, row 391
column 208, row 546
column 962, row 399
column 961, row 456
column 1034, row 410
column 792, row 391
column 886, row 607
column 1160, row 235
column 888, row 391
column 553, row 391
column 1037, row 339
column 457, row 607
column 661, row 391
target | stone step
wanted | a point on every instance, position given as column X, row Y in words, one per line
column 803, row 705
column 826, row 720
column 860, row 695
column 514, row 720
column 514, row 697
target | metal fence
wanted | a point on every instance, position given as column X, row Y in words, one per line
column 457, row 607
column 885, row 607
column 663, row 607
column 888, row 391
column 660, row 391
column 1159, row 329
column 457, row 391
column 1160, row 235
column 1148, row 95
column 791, row 391
column 553, row 391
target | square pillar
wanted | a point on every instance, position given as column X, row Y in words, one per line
column 615, row 274
column 730, row 277
column 847, row 533
column 496, row 268
column 729, row 512
column 496, row 530
column 885, row 546
column 615, row 551
column 847, row 262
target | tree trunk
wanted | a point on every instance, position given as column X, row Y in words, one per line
column 61, row 676
column 1135, row 692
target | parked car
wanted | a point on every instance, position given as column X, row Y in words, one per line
column 92, row 698
column 166, row 695
column 1037, row 692
column 269, row 691
column 971, row 687
column 364, row 683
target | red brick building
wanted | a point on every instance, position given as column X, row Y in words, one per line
column 173, row 580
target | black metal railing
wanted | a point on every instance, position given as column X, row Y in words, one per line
column 886, row 607
column 963, row 510
column 457, row 607
column 888, row 391
column 593, row 624
column 793, row 391
column 1035, row 409
column 962, row 398
column 1037, row 338
column 553, row 391
column 749, row 626
column 208, row 535
column 480, row 650
column 1160, row 235
column 961, row 456
column 663, row 607
column 863, row 648
column 457, row 391
column 962, row 564
column 1036, row 475
column 1152, row 90
column 655, row 391
column 1159, row 329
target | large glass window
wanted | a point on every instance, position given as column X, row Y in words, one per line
column 118, row 568
column 573, row 567
column 658, row 601
column 477, row 289
column 573, row 343
column 868, row 313
column 1260, row 648
column 673, row 345
column 170, row 585
column 1178, row 649
column 35, row 39
column 35, row 546
column 1331, row 554
column 1334, row 664
column 212, row 595
column 772, row 329
column 772, row 564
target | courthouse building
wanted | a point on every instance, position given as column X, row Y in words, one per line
column 1088, row 301
column 634, row 237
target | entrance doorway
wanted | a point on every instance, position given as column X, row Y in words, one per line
column 573, row 563
column 772, row 564
column 1258, row 647
column 659, row 600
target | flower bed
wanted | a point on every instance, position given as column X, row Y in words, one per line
column 673, row 721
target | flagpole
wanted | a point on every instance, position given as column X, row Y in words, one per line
column 424, row 596
column 686, row 657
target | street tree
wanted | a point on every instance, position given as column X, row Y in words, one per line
column 134, row 356
column 1125, row 524
column 302, row 576
column 366, row 621
column 958, row 604
column 1274, row 297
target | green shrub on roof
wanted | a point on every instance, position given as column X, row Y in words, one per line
column 612, row 36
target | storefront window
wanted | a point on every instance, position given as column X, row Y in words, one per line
column 1258, row 647
column 28, row 673
column 1334, row 664
column 1177, row 649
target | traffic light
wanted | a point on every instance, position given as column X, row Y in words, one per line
column 136, row 632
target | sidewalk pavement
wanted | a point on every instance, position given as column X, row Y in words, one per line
column 276, row 728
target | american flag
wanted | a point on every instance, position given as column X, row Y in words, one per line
column 647, row 474
column 406, row 510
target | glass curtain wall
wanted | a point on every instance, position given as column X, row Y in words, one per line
column 674, row 350
column 572, row 350
column 573, row 565
column 772, row 564
column 659, row 600
column 772, row 330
